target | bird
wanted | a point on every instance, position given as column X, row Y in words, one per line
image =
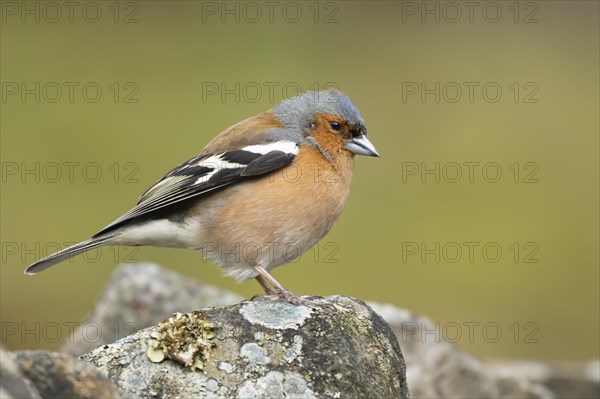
column 260, row 194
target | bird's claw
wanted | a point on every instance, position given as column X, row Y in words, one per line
column 312, row 301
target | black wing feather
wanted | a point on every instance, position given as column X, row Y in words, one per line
column 267, row 163
column 192, row 180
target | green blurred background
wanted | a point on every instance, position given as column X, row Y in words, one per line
column 161, row 111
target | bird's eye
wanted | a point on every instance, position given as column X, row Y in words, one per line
column 335, row 126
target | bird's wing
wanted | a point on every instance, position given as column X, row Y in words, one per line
column 206, row 173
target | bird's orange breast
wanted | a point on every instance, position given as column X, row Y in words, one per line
column 291, row 208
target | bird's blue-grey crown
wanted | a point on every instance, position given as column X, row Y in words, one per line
column 298, row 112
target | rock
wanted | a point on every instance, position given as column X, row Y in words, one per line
column 12, row 383
column 139, row 296
column 564, row 380
column 265, row 349
column 436, row 368
column 56, row 375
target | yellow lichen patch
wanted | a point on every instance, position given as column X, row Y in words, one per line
column 184, row 338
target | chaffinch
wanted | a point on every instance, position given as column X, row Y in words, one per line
column 260, row 194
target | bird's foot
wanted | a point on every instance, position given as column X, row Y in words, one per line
column 265, row 285
column 312, row 301
column 277, row 292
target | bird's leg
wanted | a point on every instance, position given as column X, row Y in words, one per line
column 273, row 288
column 283, row 292
column 268, row 289
column 263, row 274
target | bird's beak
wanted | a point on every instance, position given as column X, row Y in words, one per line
column 362, row 146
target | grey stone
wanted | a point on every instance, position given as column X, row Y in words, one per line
column 344, row 350
column 436, row 368
column 564, row 380
column 13, row 384
column 56, row 375
column 139, row 296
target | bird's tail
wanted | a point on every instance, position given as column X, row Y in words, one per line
column 66, row 253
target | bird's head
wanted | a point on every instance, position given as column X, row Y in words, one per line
column 328, row 120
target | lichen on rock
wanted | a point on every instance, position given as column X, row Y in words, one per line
column 264, row 349
column 184, row 338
